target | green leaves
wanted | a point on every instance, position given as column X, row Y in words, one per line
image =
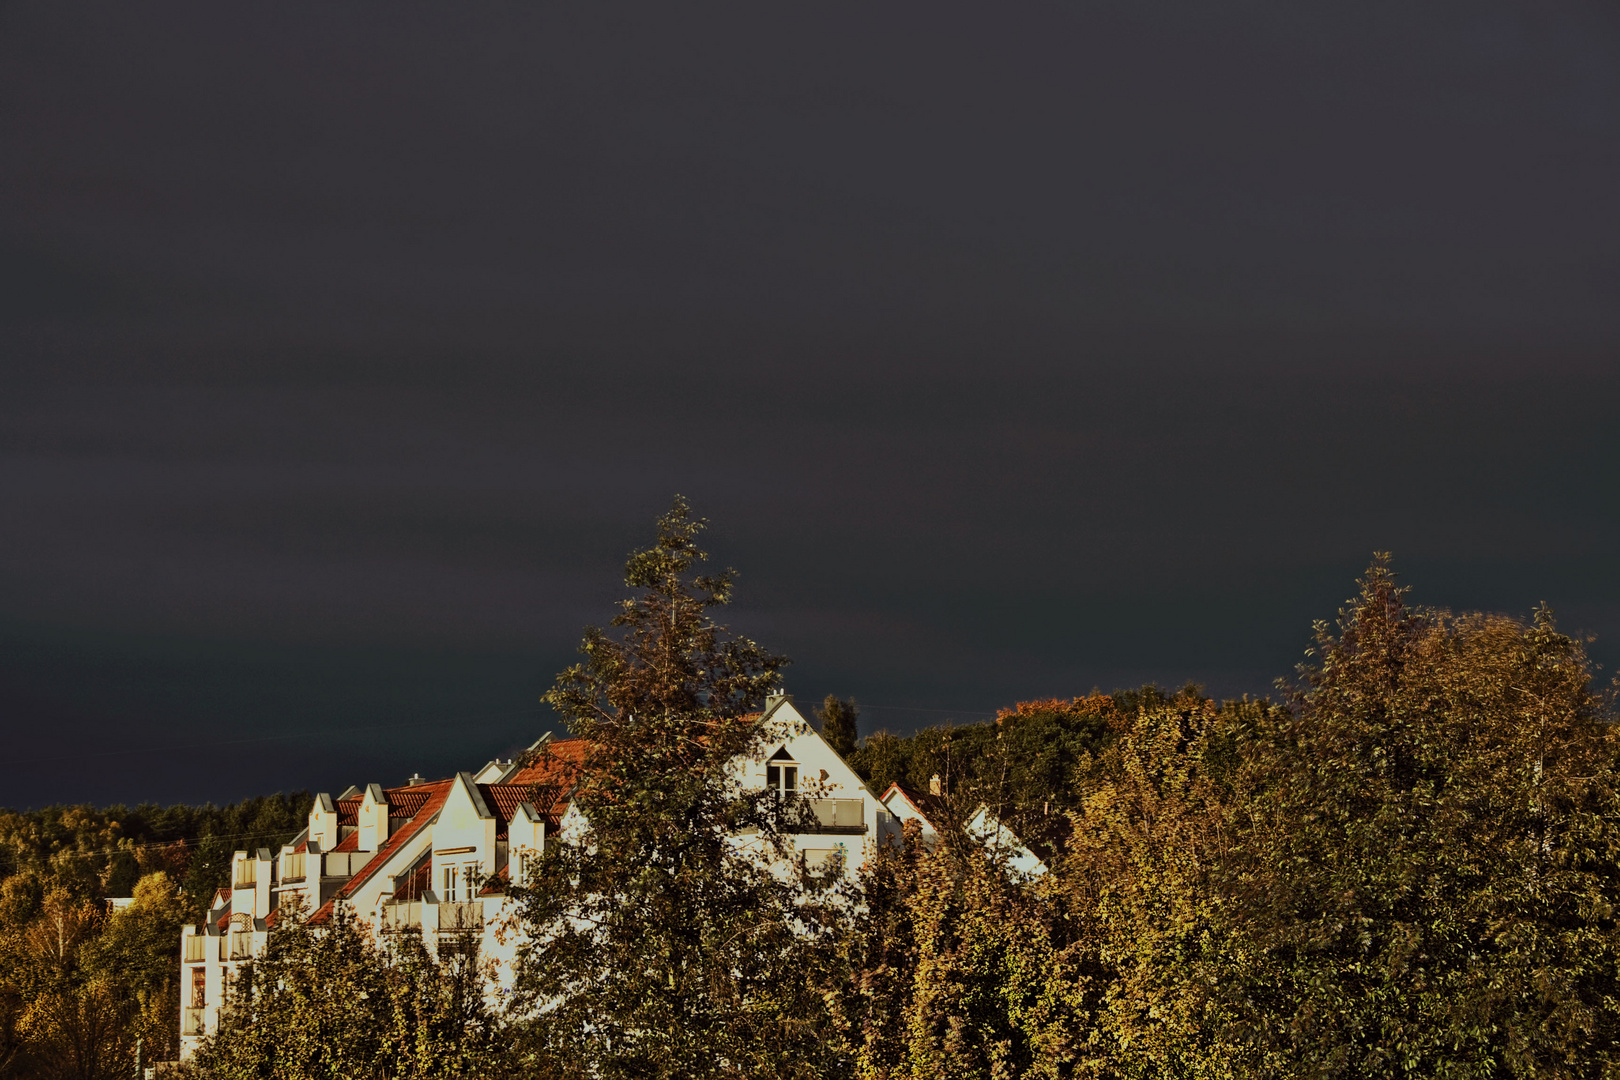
column 659, row 945
column 325, row 1003
column 1408, row 869
column 1432, row 829
column 838, row 724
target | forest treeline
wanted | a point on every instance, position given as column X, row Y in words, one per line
column 81, row 984
column 1405, row 864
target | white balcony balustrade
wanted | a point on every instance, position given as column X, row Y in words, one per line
column 839, row 815
column 342, row 864
column 399, row 917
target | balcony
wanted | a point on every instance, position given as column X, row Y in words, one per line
column 241, row 945
column 196, row 948
column 466, row 915
column 345, row 863
column 191, row 1021
column 399, row 917
column 847, row 816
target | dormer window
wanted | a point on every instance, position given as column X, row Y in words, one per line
column 781, row 773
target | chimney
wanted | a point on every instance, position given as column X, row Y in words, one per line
column 933, row 785
column 416, row 778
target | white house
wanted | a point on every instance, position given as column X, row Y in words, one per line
column 436, row 857
column 929, row 811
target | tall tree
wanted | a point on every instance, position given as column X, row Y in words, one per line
column 658, row 945
column 839, row 719
column 1429, row 854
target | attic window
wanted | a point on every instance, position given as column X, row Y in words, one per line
column 781, row 773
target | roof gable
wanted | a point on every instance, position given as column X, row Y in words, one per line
column 799, row 742
column 436, row 794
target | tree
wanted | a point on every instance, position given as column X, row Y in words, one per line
column 1030, row 766
column 949, row 963
column 72, row 1022
column 136, row 957
column 325, row 1003
column 658, row 946
column 1136, row 889
column 209, row 870
column 1427, row 858
column 838, row 723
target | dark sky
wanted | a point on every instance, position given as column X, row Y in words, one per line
column 1013, row 350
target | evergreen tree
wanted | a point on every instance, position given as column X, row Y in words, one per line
column 839, row 723
column 658, row 945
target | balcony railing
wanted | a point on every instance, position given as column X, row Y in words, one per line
column 466, row 915
column 292, row 866
column 398, row 917
column 241, row 945
column 196, row 948
column 838, row 815
column 191, row 1021
column 345, row 863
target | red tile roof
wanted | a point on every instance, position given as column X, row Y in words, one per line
column 437, row 792
column 417, row 878
column 504, row 799
column 406, row 801
column 556, row 761
column 549, row 800
column 547, row 783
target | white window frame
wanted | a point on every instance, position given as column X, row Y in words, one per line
column 782, row 777
column 450, row 878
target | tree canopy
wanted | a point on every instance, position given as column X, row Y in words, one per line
column 658, row 946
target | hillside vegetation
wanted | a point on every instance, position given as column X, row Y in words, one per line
column 79, row 984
